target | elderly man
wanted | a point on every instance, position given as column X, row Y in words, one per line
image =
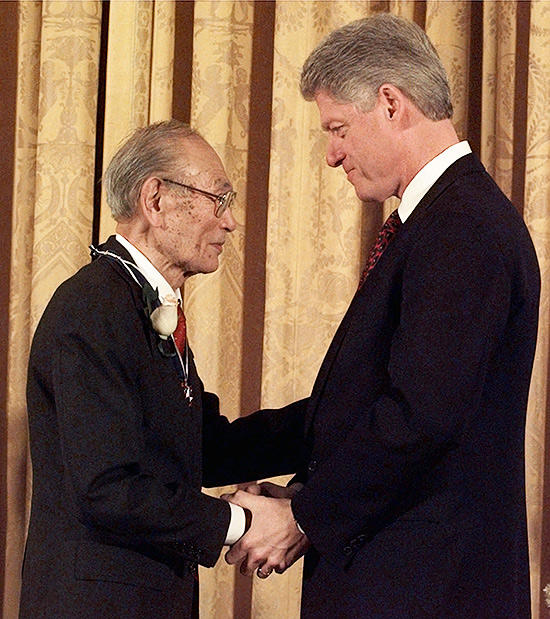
column 412, row 503
column 122, row 434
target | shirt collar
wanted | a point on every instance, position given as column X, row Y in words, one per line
column 151, row 274
column 428, row 175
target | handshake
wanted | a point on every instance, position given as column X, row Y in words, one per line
column 273, row 541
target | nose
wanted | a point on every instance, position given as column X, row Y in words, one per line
column 228, row 221
column 335, row 156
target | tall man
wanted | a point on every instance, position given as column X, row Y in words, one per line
column 122, row 433
column 413, row 497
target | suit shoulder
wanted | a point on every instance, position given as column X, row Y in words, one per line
column 96, row 289
column 96, row 281
column 475, row 220
column 473, row 200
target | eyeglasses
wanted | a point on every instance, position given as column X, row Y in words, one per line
column 223, row 201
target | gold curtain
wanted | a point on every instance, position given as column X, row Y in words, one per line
column 52, row 214
column 260, row 325
column 222, row 38
column 138, row 74
column 537, row 216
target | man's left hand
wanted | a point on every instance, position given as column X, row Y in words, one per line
column 273, row 542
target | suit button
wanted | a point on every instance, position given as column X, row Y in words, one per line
column 361, row 539
column 312, row 466
column 348, row 550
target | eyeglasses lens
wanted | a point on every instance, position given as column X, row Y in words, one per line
column 224, row 202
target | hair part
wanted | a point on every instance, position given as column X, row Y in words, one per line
column 148, row 151
column 351, row 64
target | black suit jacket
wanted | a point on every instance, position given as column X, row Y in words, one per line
column 414, row 496
column 118, row 520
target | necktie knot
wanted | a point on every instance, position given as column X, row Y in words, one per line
column 385, row 236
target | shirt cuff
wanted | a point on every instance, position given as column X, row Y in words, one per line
column 237, row 525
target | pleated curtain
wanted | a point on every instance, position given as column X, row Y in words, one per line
column 89, row 72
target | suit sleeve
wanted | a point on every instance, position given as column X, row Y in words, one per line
column 454, row 304
column 264, row 444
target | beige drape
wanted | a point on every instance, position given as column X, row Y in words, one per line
column 52, row 210
column 260, row 325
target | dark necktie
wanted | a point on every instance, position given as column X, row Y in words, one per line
column 180, row 332
column 386, row 234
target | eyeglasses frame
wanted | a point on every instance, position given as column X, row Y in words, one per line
column 223, row 201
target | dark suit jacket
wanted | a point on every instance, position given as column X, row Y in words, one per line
column 414, row 496
column 118, row 520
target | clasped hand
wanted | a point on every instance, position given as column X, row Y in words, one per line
column 273, row 542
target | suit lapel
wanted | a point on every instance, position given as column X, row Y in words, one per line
column 469, row 164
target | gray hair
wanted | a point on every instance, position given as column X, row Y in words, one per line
column 351, row 64
column 148, row 151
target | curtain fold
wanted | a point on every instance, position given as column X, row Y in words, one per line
column 448, row 26
column 52, row 211
column 220, row 102
column 220, row 110
column 314, row 218
column 17, row 471
column 128, row 81
column 497, row 130
column 260, row 325
column 537, row 216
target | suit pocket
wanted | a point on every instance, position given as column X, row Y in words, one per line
column 99, row 562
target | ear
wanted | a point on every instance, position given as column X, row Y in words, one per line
column 393, row 102
column 150, row 201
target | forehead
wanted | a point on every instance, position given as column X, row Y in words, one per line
column 198, row 158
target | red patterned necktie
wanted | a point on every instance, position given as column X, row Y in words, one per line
column 180, row 332
column 386, row 234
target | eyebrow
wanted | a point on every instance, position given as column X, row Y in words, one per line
column 219, row 184
column 325, row 126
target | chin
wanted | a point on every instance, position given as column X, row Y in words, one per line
column 363, row 193
column 371, row 196
column 364, row 196
column 210, row 268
